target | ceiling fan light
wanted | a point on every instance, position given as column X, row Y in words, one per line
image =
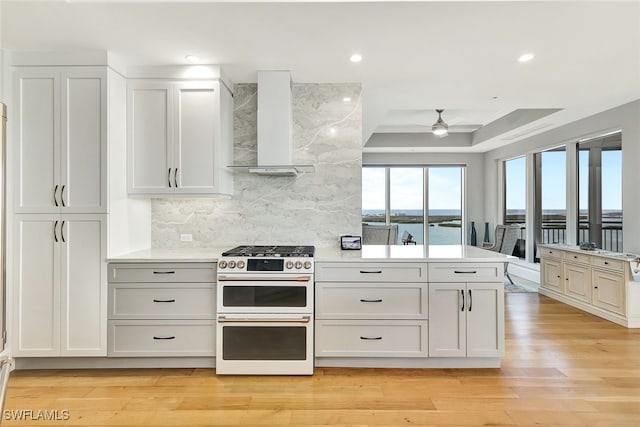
column 440, row 128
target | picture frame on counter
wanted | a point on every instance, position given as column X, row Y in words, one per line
column 350, row 242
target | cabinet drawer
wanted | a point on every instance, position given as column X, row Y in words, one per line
column 608, row 263
column 371, row 338
column 371, row 301
column 162, row 273
column 551, row 253
column 576, row 257
column 161, row 301
column 130, row 338
column 462, row 272
column 371, row 272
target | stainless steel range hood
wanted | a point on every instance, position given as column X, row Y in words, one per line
column 275, row 127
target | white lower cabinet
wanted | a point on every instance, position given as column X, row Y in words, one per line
column 466, row 319
column 162, row 310
column 371, row 338
column 598, row 283
column 59, row 305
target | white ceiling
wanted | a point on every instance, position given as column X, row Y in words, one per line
column 418, row 56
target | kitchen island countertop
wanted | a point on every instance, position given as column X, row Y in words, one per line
column 440, row 253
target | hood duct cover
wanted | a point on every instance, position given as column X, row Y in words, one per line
column 275, row 127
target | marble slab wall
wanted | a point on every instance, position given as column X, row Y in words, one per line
column 311, row 209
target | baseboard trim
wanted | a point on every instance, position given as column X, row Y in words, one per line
column 113, row 363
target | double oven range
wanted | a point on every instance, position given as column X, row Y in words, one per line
column 265, row 311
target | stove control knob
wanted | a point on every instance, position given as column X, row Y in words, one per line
column 222, row 264
column 240, row 264
column 298, row 264
column 232, row 264
column 289, row 265
column 307, row 264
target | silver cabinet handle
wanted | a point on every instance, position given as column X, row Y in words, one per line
column 62, row 231
column 175, row 177
column 470, row 300
column 55, row 231
column 371, row 300
column 464, row 272
column 224, row 319
column 371, row 338
column 462, row 293
column 164, row 300
column 164, row 272
column 165, row 338
column 169, row 177
column 371, row 272
column 62, row 196
column 55, row 195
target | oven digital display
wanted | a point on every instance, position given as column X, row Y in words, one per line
column 257, row 264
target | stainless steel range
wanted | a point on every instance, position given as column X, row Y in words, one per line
column 265, row 311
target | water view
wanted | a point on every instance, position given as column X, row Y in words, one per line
column 445, row 225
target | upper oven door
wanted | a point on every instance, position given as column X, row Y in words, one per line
column 249, row 293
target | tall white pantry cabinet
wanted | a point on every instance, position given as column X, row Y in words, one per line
column 61, row 123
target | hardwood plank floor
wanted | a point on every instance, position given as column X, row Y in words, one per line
column 563, row 367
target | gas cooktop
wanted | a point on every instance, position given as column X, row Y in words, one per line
column 271, row 251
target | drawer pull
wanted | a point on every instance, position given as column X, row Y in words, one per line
column 606, row 263
column 371, row 338
column 371, row 272
column 465, row 272
column 165, row 338
column 164, row 300
column 575, row 257
column 370, row 300
column 164, row 272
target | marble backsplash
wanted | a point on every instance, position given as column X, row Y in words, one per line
column 312, row 208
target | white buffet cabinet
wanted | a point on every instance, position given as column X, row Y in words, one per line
column 409, row 306
column 598, row 282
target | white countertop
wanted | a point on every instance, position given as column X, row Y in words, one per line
column 171, row 255
column 438, row 253
column 450, row 253
column 597, row 252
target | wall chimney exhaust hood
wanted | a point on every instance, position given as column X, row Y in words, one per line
column 275, row 127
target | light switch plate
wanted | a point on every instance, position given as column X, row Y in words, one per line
column 186, row 237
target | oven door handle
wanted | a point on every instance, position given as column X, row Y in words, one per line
column 263, row 279
column 224, row 319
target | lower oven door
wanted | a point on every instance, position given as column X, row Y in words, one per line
column 265, row 294
column 277, row 344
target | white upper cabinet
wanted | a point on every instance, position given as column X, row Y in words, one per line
column 61, row 127
column 179, row 143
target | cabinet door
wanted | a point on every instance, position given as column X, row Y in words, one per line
column 196, row 141
column 577, row 281
column 552, row 274
column 447, row 313
column 84, row 140
column 36, row 297
column 609, row 291
column 37, row 130
column 485, row 319
column 150, row 162
column 83, row 285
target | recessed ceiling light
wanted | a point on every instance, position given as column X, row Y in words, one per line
column 526, row 57
column 192, row 59
column 356, row 57
column 346, row 99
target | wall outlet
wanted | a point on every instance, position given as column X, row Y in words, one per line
column 186, row 238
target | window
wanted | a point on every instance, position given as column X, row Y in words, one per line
column 515, row 198
column 445, row 206
column 600, row 212
column 398, row 195
column 551, row 196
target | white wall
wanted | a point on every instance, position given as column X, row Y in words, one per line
column 475, row 177
column 626, row 118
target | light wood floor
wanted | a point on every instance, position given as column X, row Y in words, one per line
column 563, row 367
